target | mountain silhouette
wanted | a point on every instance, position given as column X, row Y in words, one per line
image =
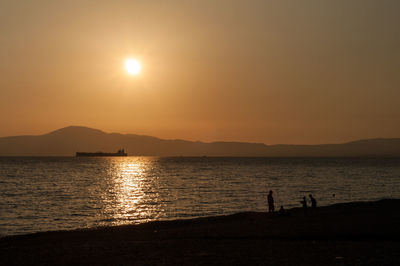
column 69, row 140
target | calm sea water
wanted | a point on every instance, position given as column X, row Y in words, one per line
column 41, row 194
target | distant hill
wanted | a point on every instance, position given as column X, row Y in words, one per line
column 67, row 141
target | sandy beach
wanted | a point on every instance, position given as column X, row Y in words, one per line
column 358, row 233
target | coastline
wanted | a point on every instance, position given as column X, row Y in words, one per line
column 345, row 234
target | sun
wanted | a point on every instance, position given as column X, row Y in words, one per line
column 132, row 66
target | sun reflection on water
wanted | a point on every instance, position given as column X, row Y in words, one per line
column 132, row 192
column 129, row 184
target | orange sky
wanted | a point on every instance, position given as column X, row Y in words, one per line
column 260, row 71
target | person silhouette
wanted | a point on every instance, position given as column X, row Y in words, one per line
column 270, row 199
column 283, row 212
column 313, row 201
column 304, row 202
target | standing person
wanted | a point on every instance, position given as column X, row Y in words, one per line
column 313, row 201
column 271, row 207
column 304, row 202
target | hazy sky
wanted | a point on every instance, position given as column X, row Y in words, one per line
column 260, row 71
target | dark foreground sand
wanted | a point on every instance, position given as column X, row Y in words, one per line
column 366, row 233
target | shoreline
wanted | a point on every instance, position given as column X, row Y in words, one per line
column 371, row 229
column 295, row 210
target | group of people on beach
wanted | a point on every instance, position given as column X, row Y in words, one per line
column 282, row 211
column 313, row 202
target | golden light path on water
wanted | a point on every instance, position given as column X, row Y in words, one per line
column 42, row 194
column 133, row 192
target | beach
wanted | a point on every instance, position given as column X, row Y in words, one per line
column 357, row 233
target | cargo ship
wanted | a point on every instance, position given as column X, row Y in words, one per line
column 95, row 154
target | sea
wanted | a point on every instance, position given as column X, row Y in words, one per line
column 63, row 193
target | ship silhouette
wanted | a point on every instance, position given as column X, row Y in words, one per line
column 120, row 152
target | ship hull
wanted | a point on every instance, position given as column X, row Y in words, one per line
column 99, row 154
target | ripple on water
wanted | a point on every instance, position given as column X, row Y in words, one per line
column 41, row 194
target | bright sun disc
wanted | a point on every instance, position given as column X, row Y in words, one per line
column 133, row 66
